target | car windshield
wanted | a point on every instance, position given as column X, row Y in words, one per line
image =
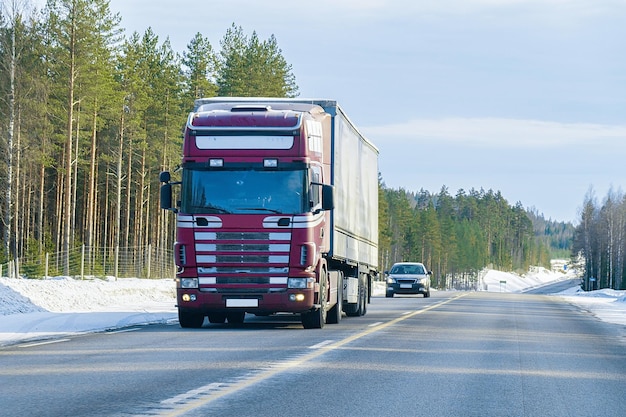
column 244, row 191
column 407, row 270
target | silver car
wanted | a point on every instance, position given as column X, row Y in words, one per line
column 408, row 278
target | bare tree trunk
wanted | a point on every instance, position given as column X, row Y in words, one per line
column 42, row 196
column 67, row 195
column 17, row 208
column 146, row 236
column 7, row 219
column 118, row 209
column 91, row 185
column 75, row 174
column 129, row 190
column 139, row 223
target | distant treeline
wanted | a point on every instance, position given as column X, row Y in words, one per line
column 600, row 240
column 462, row 234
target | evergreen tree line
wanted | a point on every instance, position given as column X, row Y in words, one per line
column 600, row 241
column 457, row 236
column 90, row 116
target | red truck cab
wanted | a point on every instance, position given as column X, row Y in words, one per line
column 253, row 214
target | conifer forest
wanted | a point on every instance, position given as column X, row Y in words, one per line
column 90, row 115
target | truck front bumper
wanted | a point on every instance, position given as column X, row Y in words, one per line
column 287, row 301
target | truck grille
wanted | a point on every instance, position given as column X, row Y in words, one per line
column 243, row 252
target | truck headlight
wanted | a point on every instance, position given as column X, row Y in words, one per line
column 300, row 283
column 189, row 283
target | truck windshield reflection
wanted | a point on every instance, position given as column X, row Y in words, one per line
column 245, row 191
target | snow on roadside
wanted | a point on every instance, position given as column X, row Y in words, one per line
column 33, row 309
column 608, row 305
column 498, row 281
column 52, row 308
column 64, row 294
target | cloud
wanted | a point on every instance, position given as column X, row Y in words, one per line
column 502, row 133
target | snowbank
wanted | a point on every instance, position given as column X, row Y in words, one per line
column 63, row 294
column 41, row 309
column 608, row 305
column 498, row 281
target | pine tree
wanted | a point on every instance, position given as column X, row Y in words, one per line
column 200, row 69
column 250, row 67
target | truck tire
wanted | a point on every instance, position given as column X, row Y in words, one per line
column 236, row 317
column 216, row 318
column 356, row 309
column 316, row 319
column 334, row 314
column 190, row 320
column 363, row 307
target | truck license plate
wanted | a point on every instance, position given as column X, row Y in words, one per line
column 242, row 302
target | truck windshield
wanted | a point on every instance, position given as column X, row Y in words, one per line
column 244, row 191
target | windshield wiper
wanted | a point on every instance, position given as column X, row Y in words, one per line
column 260, row 209
column 215, row 209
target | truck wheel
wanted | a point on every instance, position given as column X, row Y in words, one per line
column 334, row 314
column 217, row 318
column 363, row 307
column 356, row 309
column 313, row 319
column 190, row 320
column 235, row 318
column 316, row 319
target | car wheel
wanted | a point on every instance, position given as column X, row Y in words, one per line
column 389, row 294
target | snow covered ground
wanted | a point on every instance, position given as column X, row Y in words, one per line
column 34, row 310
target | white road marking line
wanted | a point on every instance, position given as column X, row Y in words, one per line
column 47, row 342
column 321, row 344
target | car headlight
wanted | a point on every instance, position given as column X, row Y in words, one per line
column 189, row 283
column 390, row 280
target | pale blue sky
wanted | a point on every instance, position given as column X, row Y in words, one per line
column 527, row 97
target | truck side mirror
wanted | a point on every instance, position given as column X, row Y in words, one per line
column 165, row 176
column 166, row 196
column 328, row 197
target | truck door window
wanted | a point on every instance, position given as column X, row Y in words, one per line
column 316, row 179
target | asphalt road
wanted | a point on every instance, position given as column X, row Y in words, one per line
column 454, row 354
